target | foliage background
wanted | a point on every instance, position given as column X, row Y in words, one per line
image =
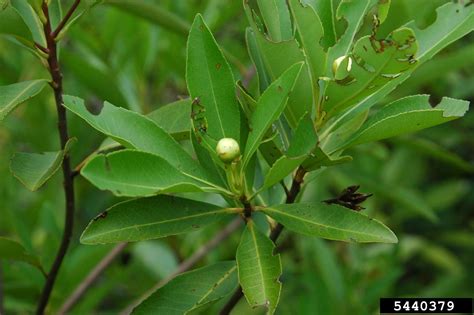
column 422, row 192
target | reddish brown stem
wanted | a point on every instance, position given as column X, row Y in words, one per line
column 91, row 278
column 65, row 19
column 68, row 184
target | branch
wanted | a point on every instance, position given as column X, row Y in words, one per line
column 190, row 262
column 91, row 278
column 65, row 19
column 68, row 183
column 290, row 198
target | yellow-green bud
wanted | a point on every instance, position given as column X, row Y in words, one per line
column 228, row 150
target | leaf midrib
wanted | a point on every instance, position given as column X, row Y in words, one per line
column 23, row 92
column 135, row 226
column 322, row 225
column 216, row 284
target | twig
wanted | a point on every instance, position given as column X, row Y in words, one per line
column 290, row 198
column 91, row 278
column 42, row 48
column 65, row 19
column 68, row 183
column 190, row 262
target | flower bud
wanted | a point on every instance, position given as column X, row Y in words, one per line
column 228, row 150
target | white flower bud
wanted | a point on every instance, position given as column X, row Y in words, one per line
column 228, row 150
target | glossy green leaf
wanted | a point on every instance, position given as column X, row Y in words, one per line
column 269, row 108
column 325, row 10
column 33, row 170
column 12, row 250
column 344, row 132
column 311, row 31
column 14, row 94
column 259, row 269
column 151, row 218
column 276, row 16
column 191, row 290
column 354, row 13
column 135, row 173
column 453, row 21
column 332, row 222
column 407, row 115
column 12, row 24
column 302, row 143
column 134, row 131
column 320, row 158
column 174, row 118
column 215, row 110
column 277, row 58
column 375, row 64
column 31, row 19
column 264, row 79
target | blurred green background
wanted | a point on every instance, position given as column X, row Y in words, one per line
column 422, row 184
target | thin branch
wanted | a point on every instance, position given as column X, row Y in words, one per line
column 275, row 233
column 190, row 262
column 65, row 18
column 42, row 48
column 91, row 278
column 68, row 183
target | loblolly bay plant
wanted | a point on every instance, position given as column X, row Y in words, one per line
column 321, row 72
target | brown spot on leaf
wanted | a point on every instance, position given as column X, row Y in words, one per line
column 103, row 215
column 218, row 66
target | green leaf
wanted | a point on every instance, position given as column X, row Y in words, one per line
column 11, row 23
column 277, row 58
column 211, row 84
column 12, row 250
column 133, row 130
column 276, row 16
column 302, row 143
column 320, row 158
column 252, row 46
column 151, row 218
column 259, row 269
column 191, row 290
column 354, row 13
column 33, row 170
column 453, row 21
column 407, row 115
column 31, row 19
column 311, row 31
column 269, row 108
column 135, row 173
column 332, row 222
column 375, row 64
column 14, row 94
column 174, row 118
column 344, row 132
column 325, row 10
